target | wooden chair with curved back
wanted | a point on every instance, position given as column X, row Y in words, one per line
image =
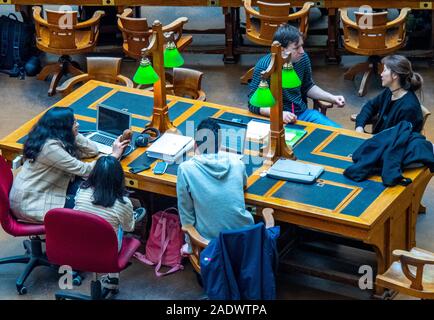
column 198, row 243
column 187, row 83
column 136, row 33
column 374, row 36
column 412, row 274
column 106, row 69
column 261, row 24
column 61, row 34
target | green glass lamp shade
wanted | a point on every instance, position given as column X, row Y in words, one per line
column 290, row 78
column 145, row 74
column 172, row 57
column 263, row 98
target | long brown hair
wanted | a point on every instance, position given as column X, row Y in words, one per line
column 400, row 65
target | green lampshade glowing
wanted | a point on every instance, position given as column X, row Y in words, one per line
column 172, row 57
column 145, row 74
column 263, row 98
column 290, row 78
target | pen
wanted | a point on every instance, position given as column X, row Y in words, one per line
column 293, row 108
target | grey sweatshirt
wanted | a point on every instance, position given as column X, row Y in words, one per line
column 210, row 190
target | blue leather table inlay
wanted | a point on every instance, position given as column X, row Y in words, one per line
column 343, row 145
column 133, row 103
column 303, row 150
column 178, row 109
column 324, row 195
column 81, row 105
column 195, row 119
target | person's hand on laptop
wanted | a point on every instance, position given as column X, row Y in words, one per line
column 119, row 147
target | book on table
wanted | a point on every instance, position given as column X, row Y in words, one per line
column 169, row 147
column 293, row 135
column 259, row 131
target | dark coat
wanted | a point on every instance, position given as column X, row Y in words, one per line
column 240, row 264
column 406, row 108
column 388, row 152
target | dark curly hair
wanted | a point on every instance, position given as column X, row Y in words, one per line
column 56, row 123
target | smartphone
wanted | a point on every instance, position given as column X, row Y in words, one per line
column 160, row 167
column 139, row 168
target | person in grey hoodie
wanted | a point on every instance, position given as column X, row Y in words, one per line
column 210, row 186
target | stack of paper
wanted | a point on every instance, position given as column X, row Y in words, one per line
column 170, row 147
column 257, row 130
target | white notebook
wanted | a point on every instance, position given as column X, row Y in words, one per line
column 170, row 146
column 257, row 130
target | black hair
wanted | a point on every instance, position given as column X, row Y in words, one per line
column 208, row 131
column 57, row 123
column 108, row 182
column 287, row 34
column 400, row 65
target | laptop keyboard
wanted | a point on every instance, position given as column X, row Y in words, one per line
column 102, row 139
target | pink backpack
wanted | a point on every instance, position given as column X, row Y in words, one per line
column 163, row 247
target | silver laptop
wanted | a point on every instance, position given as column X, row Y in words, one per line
column 110, row 124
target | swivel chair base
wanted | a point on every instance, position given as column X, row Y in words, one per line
column 34, row 257
column 96, row 293
column 64, row 66
column 372, row 66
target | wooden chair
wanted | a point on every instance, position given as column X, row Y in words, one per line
column 381, row 38
column 187, row 83
column 198, row 243
column 261, row 24
column 425, row 113
column 412, row 275
column 136, row 33
column 61, row 34
column 105, row 69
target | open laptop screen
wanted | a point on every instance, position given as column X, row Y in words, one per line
column 112, row 121
column 233, row 136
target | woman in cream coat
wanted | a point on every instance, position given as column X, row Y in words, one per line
column 52, row 154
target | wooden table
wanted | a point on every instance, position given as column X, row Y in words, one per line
column 384, row 218
column 231, row 11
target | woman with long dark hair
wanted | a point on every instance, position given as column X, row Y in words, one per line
column 52, row 154
column 396, row 103
column 104, row 194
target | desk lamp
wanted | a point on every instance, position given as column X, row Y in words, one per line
column 266, row 98
column 146, row 74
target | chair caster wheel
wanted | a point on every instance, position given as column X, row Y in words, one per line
column 22, row 290
column 77, row 281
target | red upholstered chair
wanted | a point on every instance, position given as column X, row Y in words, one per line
column 34, row 256
column 85, row 242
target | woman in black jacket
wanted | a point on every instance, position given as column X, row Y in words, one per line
column 398, row 101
